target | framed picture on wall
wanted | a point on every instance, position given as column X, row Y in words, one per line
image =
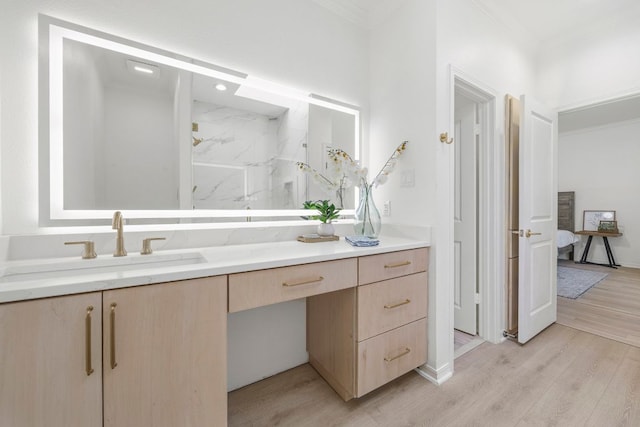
column 591, row 219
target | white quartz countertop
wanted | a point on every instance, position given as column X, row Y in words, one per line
column 105, row 272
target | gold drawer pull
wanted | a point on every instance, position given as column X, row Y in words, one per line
column 397, row 264
column 398, row 304
column 303, row 282
column 112, row 338
column 406, row 351
column 87, row 352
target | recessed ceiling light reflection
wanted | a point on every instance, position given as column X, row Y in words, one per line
column 221, row 87
column 143, row 68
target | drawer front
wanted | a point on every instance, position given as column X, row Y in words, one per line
column 383, row 306
column 264, row 287
column 390, row 355
column 375, row 268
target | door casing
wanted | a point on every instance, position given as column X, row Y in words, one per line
column 467, row 141
column 491, row 238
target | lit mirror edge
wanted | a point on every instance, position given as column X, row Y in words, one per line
column 51, row 185
column 167, row 227
column 201, row 213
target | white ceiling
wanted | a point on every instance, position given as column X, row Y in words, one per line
column 366, row 13
column 537, row 20
column 546, row 20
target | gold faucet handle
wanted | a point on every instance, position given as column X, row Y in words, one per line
column 146, row 245
column 89, row 251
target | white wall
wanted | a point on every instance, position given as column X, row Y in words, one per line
column 486, row 51
column 410, row 57
column 598, row 64
column 137, row 166
column 601, row 166
column 83, row 124
column 601, row 63
column 403, row 108
column 403, row 52
column 296, row 43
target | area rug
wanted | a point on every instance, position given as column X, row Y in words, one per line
column 573, row 282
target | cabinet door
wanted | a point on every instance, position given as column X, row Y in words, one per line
column 44, row 377
column 165, row 354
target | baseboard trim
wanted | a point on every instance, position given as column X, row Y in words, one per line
column 436, row 376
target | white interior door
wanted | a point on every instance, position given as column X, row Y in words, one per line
column 538, row 218
column 465, row 216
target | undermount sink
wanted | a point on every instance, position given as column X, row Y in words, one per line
column 52, row 268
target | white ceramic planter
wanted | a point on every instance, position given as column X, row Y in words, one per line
column 326, row 229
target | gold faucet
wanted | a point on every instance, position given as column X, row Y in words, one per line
column 118, row 224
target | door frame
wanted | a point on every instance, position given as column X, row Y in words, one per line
column 467, row 313
column 491, row 209
column 492, row 212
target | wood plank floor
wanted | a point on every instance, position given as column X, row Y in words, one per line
column 562, row 377
column 463, row 342
column 610, row 309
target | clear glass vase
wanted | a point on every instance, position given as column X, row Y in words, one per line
column 367, row 219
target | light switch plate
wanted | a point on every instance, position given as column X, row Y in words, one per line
column 408, row 178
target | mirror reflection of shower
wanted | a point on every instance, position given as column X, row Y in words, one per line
column 244, row 153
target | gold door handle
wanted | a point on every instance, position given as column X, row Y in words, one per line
column 406, row 351
column 303, row 282
column 398, row 304
column 112, row 336
column 87, row 351
column 397, row 264
column 530, row 233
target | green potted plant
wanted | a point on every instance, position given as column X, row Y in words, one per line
column 328, row 212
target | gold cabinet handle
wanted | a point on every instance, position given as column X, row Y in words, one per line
column 303, row 282
column 87, row 347
column 406, row 351
column 530, row 233
column 398, row 304
column 112, row 337
column 397, row 264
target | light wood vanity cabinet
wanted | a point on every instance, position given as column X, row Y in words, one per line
column 156, row 355
column 359, row 339
column 167, row 368
column 171, row 354
column 263, row 287
column 43, row 364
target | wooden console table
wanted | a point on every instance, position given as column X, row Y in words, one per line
column 605, row 236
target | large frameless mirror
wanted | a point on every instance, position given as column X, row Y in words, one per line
column 166, row 138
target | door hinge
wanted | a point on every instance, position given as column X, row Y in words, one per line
column 508, row 335
column 476, row 298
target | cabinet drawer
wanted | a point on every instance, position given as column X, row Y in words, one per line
column 264, row 287
column 383, row 306
column 387, row 356
column 374, row 268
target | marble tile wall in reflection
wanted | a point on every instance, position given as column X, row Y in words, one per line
column 247, row 159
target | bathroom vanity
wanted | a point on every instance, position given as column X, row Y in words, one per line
column 147, row 346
